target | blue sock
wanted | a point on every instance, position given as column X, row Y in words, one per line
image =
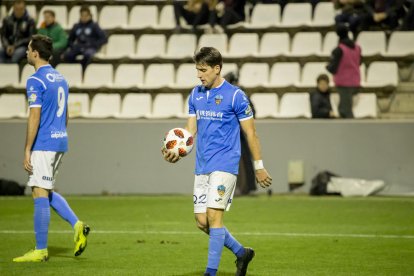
column 60, row 205
column 41, row 221
column 215, row 248
column 231, row 243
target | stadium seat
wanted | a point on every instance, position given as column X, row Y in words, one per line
column 400, row 44
column 306, row 44
column 181, row 46
column 295, row 105
column 296, row 15
column 324, row 14
column 382, row 73
column 330, row 42
column 112, row 17
column 254, row 75
column 284, row 74
column 105, row 105
column 27, row 71
column 74, row 15
column 78, row 105
column 274, row 44
column 167, row 105
column 119, row 46
column 166, row 18
column 372, row 43
column 265, row 104
column 61, row 13
column 265, row 16
column 12, row 106
column 218, row 41
column 151, row 46
column 229, row 67
column 143, row 16
column 135, row 106
column 243, row 45
column 72, row 73
column 186, row 76
column 159, row 75
column 129, row 76
column 9, row 75
column 310, row 72
column 365, row 105
column 98, row 75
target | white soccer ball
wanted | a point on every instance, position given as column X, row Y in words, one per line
column 179, row 141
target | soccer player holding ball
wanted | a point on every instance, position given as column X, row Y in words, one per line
column 217, row 112
column 46, row 143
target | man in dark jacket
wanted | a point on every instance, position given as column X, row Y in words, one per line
column 85, row 38
column 383, row 13
column 16, row 33
column 320, row 99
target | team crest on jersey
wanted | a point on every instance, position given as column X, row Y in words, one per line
column 32, row 98
column 218, row 99
column 221, row 190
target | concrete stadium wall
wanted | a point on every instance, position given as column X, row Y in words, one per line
column 113, row 156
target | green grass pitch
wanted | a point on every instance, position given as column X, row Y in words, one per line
column 156, row 235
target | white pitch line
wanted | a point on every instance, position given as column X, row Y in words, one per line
column 276, row 234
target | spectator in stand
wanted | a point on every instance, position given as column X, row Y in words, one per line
column 230, row 12
column 344, row 65
column 351, row 10
column 16, row 32
column 85, row 38
column 382, row 13
column 58, row 35
column 320, row 99
column 195, row 13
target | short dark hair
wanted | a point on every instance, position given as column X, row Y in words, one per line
column 43, row 45
column 16, row 2
column 209, row 56
column 52, row 13
column 322, row 77
column 85, row 8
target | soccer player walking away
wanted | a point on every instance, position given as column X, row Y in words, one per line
column 46, row 143
column 217, row 112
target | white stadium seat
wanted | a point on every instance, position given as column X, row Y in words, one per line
column 306, row 44
column 400, row 44
column 166, row 18
column 9, row 75
column 310, row 73
column 372, row 43
column 218, row 41
column 265, row 104
column 135, row 105
column 120, row 46
column 78, row 105
column 12, row 105
column 229, row 67
column 105, row 105
column 330, row 42
column 98, row 75
column 274, row 44
column 254, row 75
column 324, row 14
column 181, row 46
column 186, row 76
column 151, row 46
column 295, row 105
column 382, row 73
column 143, row 16
column 72, row 73
column 284, row 74
column 265, row 16
column 61, row 13
column 112, row 17
column 297, row 14
column 159, row 76
column 365, row 105
column 129, row 76
column 167, row 105
column 74, row 15
column 27, row 71
column 243, row 45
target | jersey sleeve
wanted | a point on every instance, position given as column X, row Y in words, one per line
column 241, row 106
column 191, row 107
column 34, row 89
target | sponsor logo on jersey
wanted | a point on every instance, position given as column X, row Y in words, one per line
column 58, row 134
column 218, row 99
column 32, row 98
column 221, row 190
column 52, row 77
column 209, row 115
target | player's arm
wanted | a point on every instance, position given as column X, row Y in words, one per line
column 32, row 128
column 192, row 125
column 249, row 130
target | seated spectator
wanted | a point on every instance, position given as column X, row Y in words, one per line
column 230, row 12
column 16, row 33
column 53, row 30
column 194, row 12
column 382, row 13
column 320, row 99
column 85, row 38
column 351, row 10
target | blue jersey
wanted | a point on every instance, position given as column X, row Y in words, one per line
column 49, row 90
column 218, row 112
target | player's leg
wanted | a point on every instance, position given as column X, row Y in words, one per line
column 200, row 201
column 216, row 241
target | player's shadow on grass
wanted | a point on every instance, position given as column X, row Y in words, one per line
column 62, row 252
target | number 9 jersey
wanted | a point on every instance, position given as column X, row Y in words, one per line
column 48, row 89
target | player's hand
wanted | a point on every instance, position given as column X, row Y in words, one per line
column 26, row 162
column 263, row 178
column 169, row 155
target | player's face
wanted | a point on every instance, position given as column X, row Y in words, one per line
column 207, row 74
column 30, row 54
